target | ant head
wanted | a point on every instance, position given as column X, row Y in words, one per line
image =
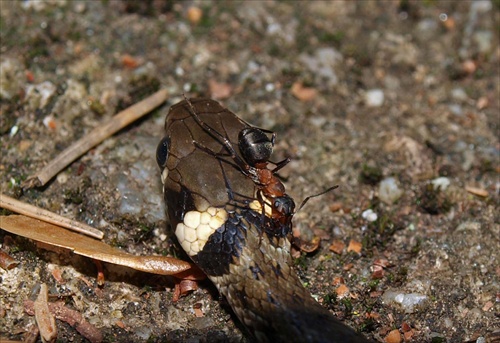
column 255, row 145
column 284, row 205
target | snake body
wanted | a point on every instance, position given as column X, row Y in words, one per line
column 219, row 222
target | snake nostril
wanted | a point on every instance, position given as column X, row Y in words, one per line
column 162, row 151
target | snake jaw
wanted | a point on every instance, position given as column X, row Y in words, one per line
column 196, row 228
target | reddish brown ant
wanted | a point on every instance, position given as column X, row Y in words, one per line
column 256, row 148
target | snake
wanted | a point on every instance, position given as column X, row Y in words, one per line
column 224, row 223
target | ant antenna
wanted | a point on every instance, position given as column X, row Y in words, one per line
column 314, row 196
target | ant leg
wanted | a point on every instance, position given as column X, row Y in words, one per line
column 247, row 170
column 281, row 164
column 217, row 135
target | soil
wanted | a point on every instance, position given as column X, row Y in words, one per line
column 397, row 102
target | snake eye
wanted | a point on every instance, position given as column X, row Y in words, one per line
column 162, row 152
column 255, row 145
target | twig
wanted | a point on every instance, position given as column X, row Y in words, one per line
column 17, row 206
column 71, row 317
column 43, row 316
column 95, row 137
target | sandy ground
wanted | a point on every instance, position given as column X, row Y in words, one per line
column 397, row 102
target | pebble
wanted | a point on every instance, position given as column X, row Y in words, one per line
column 441, row 183
column 456, row 109
column 459, row 94
column 483, row 39
column 389, row 190
column 369, row 215
column 374, row 98
column 10, row 78
column 408, row 301
column 323, row 64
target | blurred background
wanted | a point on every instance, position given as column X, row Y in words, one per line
column 397, row 102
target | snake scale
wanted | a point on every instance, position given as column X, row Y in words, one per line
column 232, row 231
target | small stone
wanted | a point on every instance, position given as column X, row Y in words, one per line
column 459, row 94
column 389, row 190
column 374, row 98
column 369, row 215
column 441, row 183
column 409, row 302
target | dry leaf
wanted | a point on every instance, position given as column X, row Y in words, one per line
column 480, row 192
column 194, row 14
column 71, row 317
column 219, row 90
column 342, row 291
column 393, row 337
column 354, row 246
column 337, row 246
column 89, row 247
column 7, row 262
column 303, row 93
column 44, row 319
column 130, row 62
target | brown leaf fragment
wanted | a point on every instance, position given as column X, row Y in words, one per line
column 130, row 62
column 480, row 192
column 342, row 291
column 56, row 274
column 378, row 272
column 44, row 319
column 198, row 312
column 194, row 14
column 336, row 206
column 405, row 327
column 89, row 247
column 393, row 337
column 7, row 262
column 71, row 317
column 338, row 281
column 303, row 93
column 311, row 246
column 337, row 246
column 183, row 287
column 354, row 246
column 348, row 266
column 219, row 90
column 384, row 263
column 31, row 335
